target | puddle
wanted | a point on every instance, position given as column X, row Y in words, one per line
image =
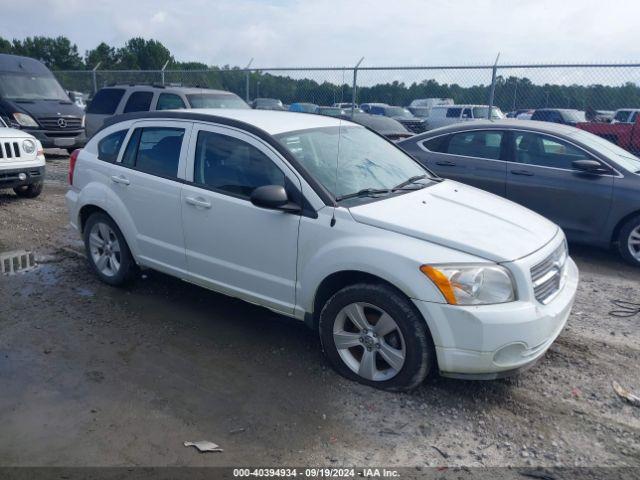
column 16, row 261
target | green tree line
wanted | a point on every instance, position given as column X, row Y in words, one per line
column 139, row 54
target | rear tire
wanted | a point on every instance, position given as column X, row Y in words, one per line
column 107, row 250
column 29, row 191
column 373, row 334
column 629, row 241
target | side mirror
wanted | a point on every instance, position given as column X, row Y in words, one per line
column 273, row 197
column 589, row 166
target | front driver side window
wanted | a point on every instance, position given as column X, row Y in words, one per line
column 232, row 165
column 544, row 151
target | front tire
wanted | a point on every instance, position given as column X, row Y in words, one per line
column 107, row 250
column 629, row 241
column 29, row 191
column 374, row 335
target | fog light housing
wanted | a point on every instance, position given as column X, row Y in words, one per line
column 22, row 177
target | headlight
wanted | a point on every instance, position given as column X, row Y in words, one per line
column 25, row 120
column 82, row 122
column 29, row 146
column 472, row 284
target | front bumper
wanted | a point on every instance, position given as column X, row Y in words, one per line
column 59, row 138
column 10, row 178
column 490, row 341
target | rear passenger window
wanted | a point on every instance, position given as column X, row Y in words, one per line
column 155, row 150
column 138, row 102
column 169, row 101
column 109, row 146
column 106, row 101
column 232, row 165
column 480, row 144
column 454, row 112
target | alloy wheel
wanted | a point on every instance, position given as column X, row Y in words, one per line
column 369, row 341
column 105, row 249
column 634, row 243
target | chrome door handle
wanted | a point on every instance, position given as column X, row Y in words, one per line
column 120, row 179
column 197, row 202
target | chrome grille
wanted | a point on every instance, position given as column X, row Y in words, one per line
column 60, row 123
column 547, row 275
column 9, row 150
column 415, row 126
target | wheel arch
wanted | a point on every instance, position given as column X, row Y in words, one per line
column 335, row 282
column 616, row 230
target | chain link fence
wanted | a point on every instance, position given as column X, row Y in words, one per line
column 510, row 87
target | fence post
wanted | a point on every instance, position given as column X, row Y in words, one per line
column 493, row 86
column 248, row 73
column 162, row 71
column 355, row 83
column 93, row 75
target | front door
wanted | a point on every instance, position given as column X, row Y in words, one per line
column 232, row 245
column 542, row 178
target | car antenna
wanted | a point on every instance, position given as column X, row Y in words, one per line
column 335, row 189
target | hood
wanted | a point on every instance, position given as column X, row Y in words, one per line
column 463, row 218
column 14, row 133
column 408, row 119
column 49, row 108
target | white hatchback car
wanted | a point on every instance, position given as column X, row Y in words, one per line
column 320, row 219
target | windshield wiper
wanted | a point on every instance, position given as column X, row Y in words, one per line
column 409, row 181
column 365, row 192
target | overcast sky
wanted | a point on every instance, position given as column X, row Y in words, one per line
column 339, row 32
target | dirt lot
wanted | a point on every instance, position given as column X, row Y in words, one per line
column 94, row 375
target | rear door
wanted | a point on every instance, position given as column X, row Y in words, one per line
column 148, row 181
column 542, row 178
column 474, row 157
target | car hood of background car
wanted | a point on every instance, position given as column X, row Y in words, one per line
column 6, row 132
column 461, row 217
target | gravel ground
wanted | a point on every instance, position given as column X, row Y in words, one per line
column 94, row 375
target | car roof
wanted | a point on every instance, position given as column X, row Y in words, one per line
column 510, row 123
column 19, row 64
column 272, row 122
column 461, row 105
column 168, row 89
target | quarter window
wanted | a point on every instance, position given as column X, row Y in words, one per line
column 138, row 102
column 155, row 150
column 438, row 144
column 169, row 101
column 534, row 149
column 109, row 146
column 232, row 165
column 481, row 144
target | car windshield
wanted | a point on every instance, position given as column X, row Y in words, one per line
column 28, row 87
column 365, row 161
column 481, row 112
column 608, row 149
column 397, row 112
column 215, row 100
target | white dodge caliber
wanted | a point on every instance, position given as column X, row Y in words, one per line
column 400, row 272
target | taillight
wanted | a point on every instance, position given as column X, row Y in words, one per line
column 72, row 164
